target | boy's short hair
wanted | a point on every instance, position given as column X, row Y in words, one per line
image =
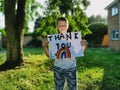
column 62, row 19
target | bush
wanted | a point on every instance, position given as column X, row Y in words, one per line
column 98, row 30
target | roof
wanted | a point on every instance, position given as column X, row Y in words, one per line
column 111, row 4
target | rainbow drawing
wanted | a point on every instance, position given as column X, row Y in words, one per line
column 63, row 53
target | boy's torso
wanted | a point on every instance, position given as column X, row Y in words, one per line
column 65, row 63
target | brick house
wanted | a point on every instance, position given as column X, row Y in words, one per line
column 113, row 20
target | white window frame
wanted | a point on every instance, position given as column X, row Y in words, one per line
column 114, row 10
column 115, row 35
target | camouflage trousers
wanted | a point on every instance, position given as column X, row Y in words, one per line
column 62, row 75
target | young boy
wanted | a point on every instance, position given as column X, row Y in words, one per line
column 64, row 69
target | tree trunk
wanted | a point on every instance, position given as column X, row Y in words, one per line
column 14, row 25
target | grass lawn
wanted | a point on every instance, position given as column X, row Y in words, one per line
column 97, row 70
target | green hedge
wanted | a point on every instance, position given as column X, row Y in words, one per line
column 98, row 30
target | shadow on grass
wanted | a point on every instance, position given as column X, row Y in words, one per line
column 97, row 70
column 8, row 65
column 107, row 63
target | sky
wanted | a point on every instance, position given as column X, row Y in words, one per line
column 1, row 21
column 96, row 8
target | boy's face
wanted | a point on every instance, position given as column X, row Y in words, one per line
column 62, row 26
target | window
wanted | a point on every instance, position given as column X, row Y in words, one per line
column 114, row 11
column 115, row 35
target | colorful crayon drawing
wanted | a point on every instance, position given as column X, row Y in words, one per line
column 63, row 53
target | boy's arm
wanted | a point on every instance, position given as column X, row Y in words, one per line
column 84, row 44
column 45, row 47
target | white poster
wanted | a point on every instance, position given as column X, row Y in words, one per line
column 65, row 45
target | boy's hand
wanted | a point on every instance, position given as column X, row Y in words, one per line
column 45, row 43
column 84, row 42
column 45, row 47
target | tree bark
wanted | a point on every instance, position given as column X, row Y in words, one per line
column 14, row 25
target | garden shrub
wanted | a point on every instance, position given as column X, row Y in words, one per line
column 98, row 30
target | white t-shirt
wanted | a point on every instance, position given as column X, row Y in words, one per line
column 65, row 63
